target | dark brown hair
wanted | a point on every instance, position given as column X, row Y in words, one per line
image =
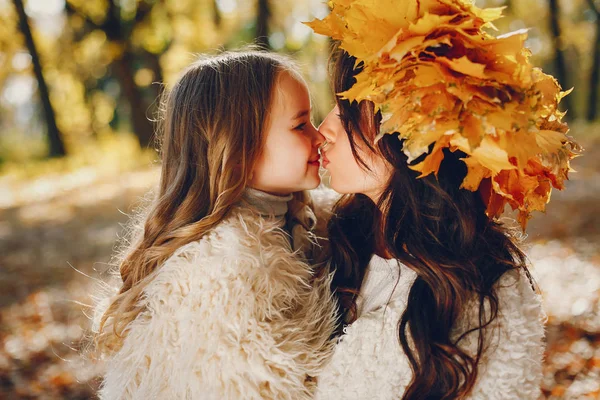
column 437, row 229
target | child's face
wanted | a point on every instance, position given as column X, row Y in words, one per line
column 290, row 158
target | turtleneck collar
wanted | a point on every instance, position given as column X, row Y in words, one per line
column 267, row 204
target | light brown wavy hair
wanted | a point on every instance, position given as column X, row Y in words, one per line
column 211, row 126
column 437, row 229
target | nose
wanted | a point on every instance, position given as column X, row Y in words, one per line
column 327, row 128
column 316, row 137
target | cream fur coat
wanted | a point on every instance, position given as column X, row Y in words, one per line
column 236, row 315
column 369, row 363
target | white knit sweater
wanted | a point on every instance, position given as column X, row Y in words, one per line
column 369, row 363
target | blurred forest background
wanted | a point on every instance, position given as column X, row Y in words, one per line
column 79, row 81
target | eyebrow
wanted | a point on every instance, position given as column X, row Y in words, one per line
column 301, row 114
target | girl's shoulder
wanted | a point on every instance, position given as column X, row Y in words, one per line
column 518, row 329
column 518, row 297
column 518, row 300
column 511, row 365
column 243, row 230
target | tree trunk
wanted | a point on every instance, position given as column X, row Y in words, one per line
column 142, row 127
column 153, row 61
column 559, row 56
column 594, row 86
column 263, row 16
column 55, row 141
column 123, row 67
column 217, row 17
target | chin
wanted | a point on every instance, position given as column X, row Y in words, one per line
column 313, row 182
column 341, row 189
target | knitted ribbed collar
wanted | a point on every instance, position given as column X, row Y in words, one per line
column 267, row 204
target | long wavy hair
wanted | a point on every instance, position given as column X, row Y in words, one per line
column 211, row 125
column 437, row 229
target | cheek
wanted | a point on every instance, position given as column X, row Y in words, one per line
column 286, row 156
column 292, row 150
column 347, row 175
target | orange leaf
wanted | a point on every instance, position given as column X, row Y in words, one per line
column 476, row 172
column 491, row 156
column 431, row 163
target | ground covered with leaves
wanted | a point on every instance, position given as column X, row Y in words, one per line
column 57, row 234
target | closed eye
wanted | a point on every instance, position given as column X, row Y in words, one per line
column 300, row 127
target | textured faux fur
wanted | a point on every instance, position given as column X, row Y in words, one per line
column 236, row 315
column 369, row 363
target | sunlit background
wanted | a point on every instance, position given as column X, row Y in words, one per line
column 79, row 81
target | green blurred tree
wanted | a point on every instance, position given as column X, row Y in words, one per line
column 118, row 31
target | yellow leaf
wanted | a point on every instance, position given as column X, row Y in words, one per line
column 476, row 172
column 418, row 141
column 472, row 131
column 401, row 49
column 429, row 22
column 491, row 156
column 550, row 141
column 389, row 10
column 431, row 163
column 489, row 14
column 465, row 66
column 521, row 144
column 361, row 90
column 427, row 75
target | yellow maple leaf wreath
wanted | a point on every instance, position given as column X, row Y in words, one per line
column 440, row 80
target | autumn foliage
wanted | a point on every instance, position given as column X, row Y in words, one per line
column 441, row 80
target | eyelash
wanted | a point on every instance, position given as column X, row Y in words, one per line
column 300, row 127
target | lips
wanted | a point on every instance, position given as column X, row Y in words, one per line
column 324, row 160
column 314, row 162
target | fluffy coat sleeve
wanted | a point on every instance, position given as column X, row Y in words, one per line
column 216, row 326
column 511, row 366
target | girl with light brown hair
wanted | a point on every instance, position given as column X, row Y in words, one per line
column 218, row 300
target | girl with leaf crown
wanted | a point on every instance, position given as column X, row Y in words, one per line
column 217, row 300
column 438, row 125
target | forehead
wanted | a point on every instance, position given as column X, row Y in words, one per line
column 291, row 92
